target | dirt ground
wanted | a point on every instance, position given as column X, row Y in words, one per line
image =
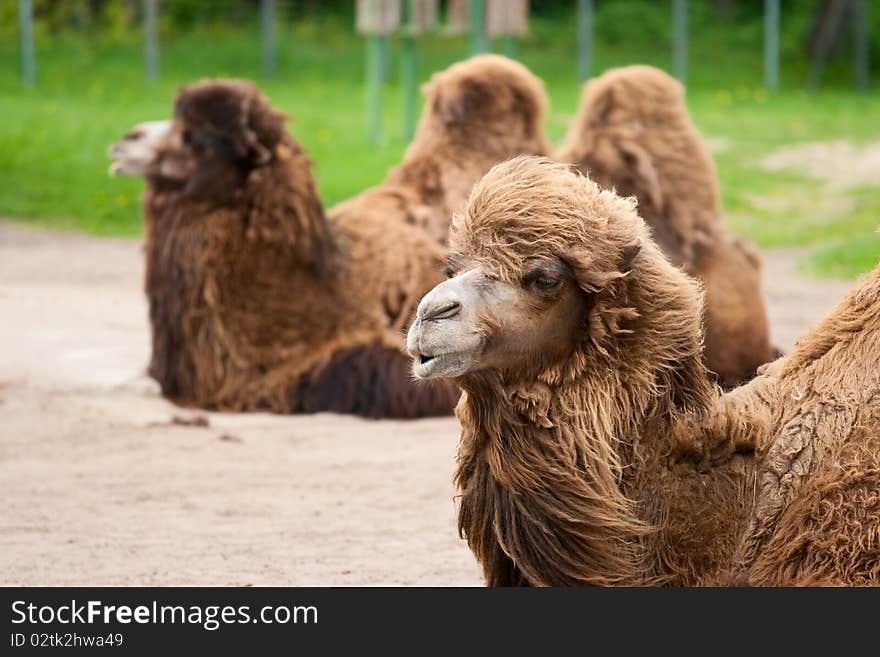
column 105, row 483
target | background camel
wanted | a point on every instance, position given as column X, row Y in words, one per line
column 477, row 112
column 595, row 447
column 633, row 134
column 257, row 301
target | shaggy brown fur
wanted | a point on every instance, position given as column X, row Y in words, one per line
column 257, row 301
column 621, row 462
column 633, row 134
column 477, row 113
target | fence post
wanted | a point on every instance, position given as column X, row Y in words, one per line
column 376, row 19
column 409, row 70
column 477, row 15
column 771, row 44
column 861, row 60
column 510, row 49
column 26, row 42
column 151, row 39
column 679, row 39
column 585, row 39
column 268, row 32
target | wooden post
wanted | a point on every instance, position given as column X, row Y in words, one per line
column 26, row 42
column 151, row 39
column 861, row 60
column 409, row 70
column 585, row 39
column 679, row 39
column 507, row 19
column 376, row 19
column 268, row 32
column 771, row 44
column 477, row 15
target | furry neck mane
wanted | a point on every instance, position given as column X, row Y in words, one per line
column 549, row 469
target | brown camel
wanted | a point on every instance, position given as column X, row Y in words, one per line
column 633, row 134
column 257, row 300
column 477, row 113
column 596, row 448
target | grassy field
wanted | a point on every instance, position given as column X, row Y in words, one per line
column 53, row 139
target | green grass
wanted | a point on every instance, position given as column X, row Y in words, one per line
column 53, row 140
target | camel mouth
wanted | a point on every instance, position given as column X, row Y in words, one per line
column 443, row 365
column 136, row 150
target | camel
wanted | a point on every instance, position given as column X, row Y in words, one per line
column 258, row 301
column 478, row 112
column 633, row 134
column 596, row 448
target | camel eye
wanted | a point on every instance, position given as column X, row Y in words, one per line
column 453, row 266
column 540, row 280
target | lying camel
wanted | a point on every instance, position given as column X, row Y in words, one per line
column 258, row 301
column 633, row 134
column 595, row 447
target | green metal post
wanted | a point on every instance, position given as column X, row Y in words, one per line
column 151, row 39
column 384, row 58
column 269, row 37
column 771, row 44
column 477, row 15
column 374, row 87
column 679, row 39
column 510, row 46
column 585, row 39
column 26, row 41
column 861, row 59
column 409, row 71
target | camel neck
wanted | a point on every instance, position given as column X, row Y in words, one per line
column 543, row 483
column 559, row 474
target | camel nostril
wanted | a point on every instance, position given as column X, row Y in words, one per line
column 443, row 311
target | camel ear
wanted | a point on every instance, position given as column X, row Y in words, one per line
column 261, row 130
column 628, row 256
column 609, row 312
column 591, row 276
column 642, row 169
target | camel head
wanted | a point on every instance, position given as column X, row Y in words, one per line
column 221, row 131
column 539, row 272
column 486, row 96
column 134, row 154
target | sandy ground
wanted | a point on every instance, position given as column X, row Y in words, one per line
column 105, row 483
